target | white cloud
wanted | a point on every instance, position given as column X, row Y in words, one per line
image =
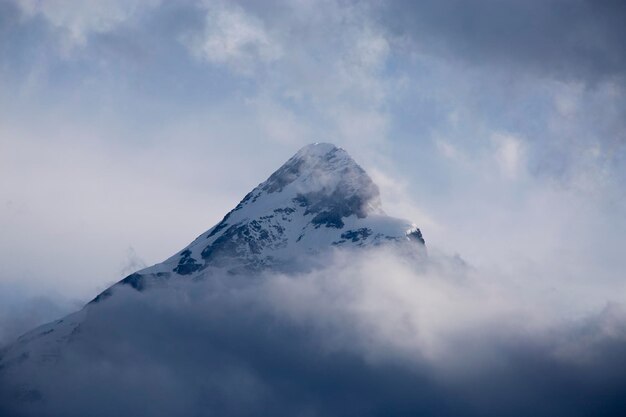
column 370, row 49
column 448, row 150
column 509, row 155
column 279, row 124
column 233, row 38
column 397, row 200
column 567, row 98
column 78, row 19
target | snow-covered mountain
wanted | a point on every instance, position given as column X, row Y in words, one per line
column 319, row 200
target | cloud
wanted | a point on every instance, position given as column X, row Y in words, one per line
column 78, row 20
column 234, row 38
column 509, row 154
column 133, row 263
column 563, row 39
column 371, row 333
column 496, row 64
column 22, row 309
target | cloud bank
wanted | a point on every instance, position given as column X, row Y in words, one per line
column 370, row 334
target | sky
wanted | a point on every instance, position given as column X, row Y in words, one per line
column 128, row 128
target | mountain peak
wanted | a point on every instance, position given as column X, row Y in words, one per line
column 319, row 152
column 325, row 174
column 318, row 200
column 318, row 148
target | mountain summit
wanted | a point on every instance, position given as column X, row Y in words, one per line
column 318, row 200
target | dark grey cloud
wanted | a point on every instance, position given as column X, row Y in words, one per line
column 312, row 345
column 21, row 311
column 582, row 39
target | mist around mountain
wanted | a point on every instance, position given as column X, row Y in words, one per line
column 308, row 300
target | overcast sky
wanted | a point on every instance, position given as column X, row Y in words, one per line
column 129, row 127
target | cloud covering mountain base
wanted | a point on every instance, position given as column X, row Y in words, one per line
column 372, row 333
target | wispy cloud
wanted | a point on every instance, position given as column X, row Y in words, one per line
column 233, row 38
